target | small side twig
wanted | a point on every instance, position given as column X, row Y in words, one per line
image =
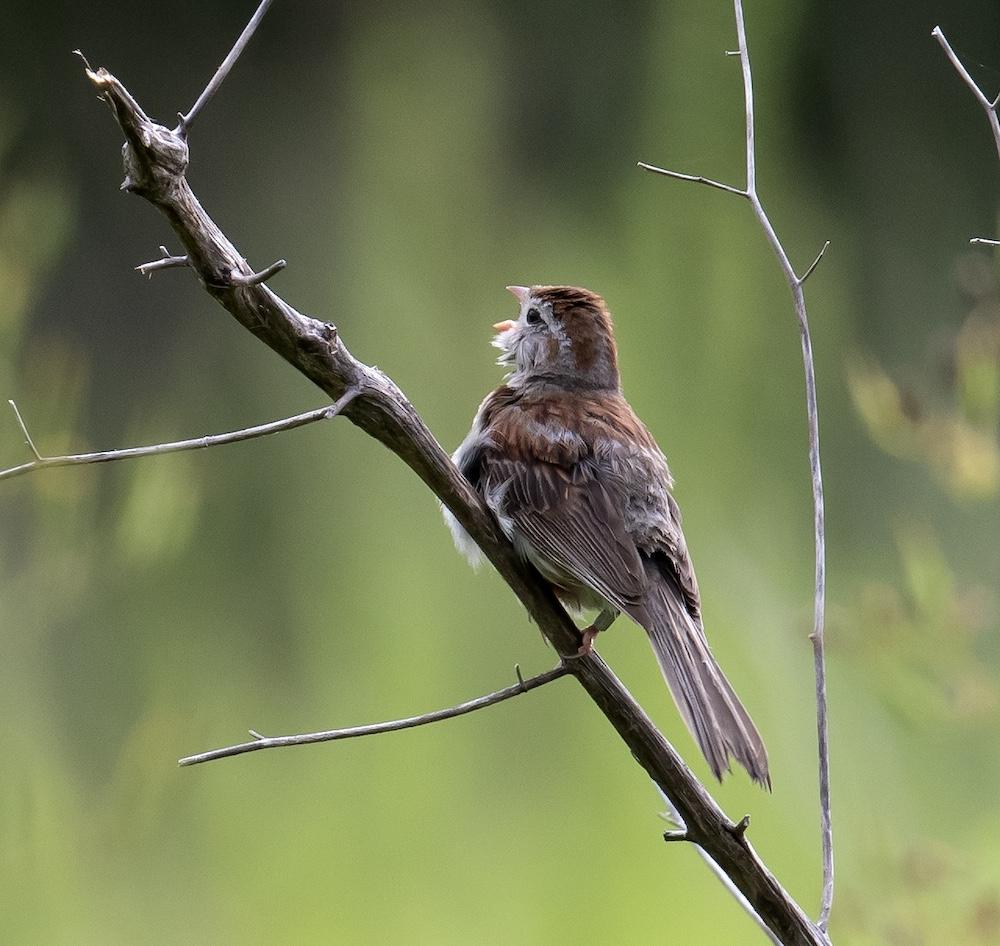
column 989, row 106
column 795, row 285
column 410, row 722
column 165, row 262
column 694, row 179
column 184, row 122
column 255, row 279
column 739, row 829
column 198, row 443
column 814, row 263
column 27, row 436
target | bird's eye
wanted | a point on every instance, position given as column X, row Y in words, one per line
column 533, row 317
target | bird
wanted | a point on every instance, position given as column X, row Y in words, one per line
column 580, row 487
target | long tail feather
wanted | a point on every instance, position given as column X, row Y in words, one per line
column 705, row 698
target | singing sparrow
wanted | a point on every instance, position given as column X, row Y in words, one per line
column 580, row 487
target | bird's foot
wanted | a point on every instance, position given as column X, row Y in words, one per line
column 587, row 645
column 604, row 620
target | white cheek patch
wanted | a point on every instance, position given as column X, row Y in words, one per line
column 508, row 343
column 559, row 331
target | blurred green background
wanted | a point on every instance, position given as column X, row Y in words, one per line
column 410, row 160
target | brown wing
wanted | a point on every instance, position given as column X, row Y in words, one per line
column 571, row 518
column 675, row 560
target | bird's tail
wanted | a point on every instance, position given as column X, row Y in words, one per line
column 712, row 711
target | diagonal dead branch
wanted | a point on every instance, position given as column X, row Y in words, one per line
column 795, row 285
column 723, row 877
column 198, row 443
column 374, row 729
column 155, row 162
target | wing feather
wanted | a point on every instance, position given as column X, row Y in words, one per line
column 568, row 514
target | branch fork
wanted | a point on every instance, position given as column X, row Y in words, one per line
column 988, row 105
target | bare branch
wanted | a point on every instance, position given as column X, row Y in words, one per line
column 982, row 241
column 184, row 122
column 199, row 443
column 795, row 285
column 693, row 179
column 155, row 164
column 990, row 107
column 374, row 729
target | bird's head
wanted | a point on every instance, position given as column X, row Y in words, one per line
column 562, row 336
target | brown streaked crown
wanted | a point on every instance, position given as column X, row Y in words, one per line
column 587, row 321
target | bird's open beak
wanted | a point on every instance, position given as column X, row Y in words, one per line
column 520, row 293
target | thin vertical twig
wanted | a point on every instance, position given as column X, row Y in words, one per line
column 796, row 285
